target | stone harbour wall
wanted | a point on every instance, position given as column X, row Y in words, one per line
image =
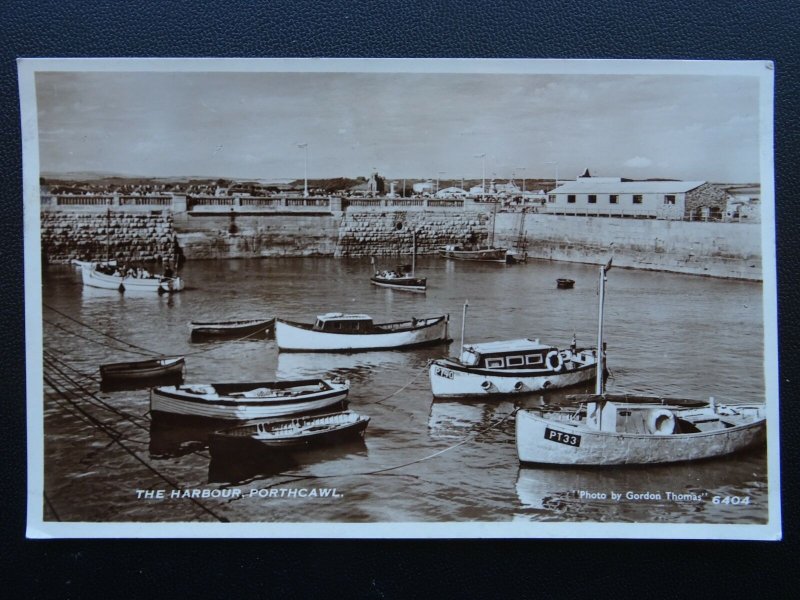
column 728, row 250
column 130, row 237
column 392, row 234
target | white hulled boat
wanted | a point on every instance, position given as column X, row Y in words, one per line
column 510, row 367
column 609, row 429
column 515, row 366
column 248, row 401
column 479, row 253
column 338, row 332
column 94, row 277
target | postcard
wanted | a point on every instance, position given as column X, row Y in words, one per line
column 384, row 298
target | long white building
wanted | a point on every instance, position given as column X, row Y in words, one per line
column 618, row 197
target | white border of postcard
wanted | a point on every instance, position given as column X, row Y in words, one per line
column 38, row 528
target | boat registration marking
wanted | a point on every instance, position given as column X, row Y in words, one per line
column 568, row 439
column 446, row 373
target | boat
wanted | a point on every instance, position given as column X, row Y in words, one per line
column 338, row 332
column 295, row 433
column 94, row 276
column 203, row 330
column 487, row 253
column 106, row 274
column 248, row 401
column 403, row 276
column 520, row 252
column 610, row 430
column 400, row 278
column 515, row 366
column 142, row 371
column 565, row 284
column 89, row 263
column 473, row 252
column 613, row 429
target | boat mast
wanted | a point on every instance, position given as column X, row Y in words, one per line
column 494, row 220
column 413, row 251
column 108, row 227
column 598, row 388
column 463, row 325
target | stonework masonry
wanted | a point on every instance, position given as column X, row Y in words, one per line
column 130, row 237
column 730, row 250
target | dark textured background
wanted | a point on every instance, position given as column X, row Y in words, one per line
column 713, row 29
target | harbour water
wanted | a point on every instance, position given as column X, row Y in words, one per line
column 421, row 460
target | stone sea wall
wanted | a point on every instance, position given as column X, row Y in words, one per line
column 730, row 250
column 129, row 237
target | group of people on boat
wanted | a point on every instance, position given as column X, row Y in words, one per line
column 122, row 270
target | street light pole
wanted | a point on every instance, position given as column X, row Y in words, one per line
column 523, row 179
column 438, row 173
column 305, row 169
column 483, row 171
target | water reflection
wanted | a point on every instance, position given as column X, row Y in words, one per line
column 678, row 492
column 236, row 469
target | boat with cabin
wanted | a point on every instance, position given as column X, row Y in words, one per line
column 613, row 429
column 516, row 366
column 339, row 332
column 248, row 401
column 287, row 434
column 250, row 328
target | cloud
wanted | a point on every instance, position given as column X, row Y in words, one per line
column 638, row 162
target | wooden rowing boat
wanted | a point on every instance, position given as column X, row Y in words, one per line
column 143, row 373
column 204, row 330
column 248, row 401
column 296, row 433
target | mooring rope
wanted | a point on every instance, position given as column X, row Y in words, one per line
column 468, row 438
column 115, row 437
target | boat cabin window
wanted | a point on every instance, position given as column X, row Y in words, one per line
column 533, row 359
column 515, row 361
column 494, row 363
column 469, row 358
column 348, row 325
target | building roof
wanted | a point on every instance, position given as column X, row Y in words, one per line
column 588, row 185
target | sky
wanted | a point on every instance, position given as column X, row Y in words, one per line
column 403, row 125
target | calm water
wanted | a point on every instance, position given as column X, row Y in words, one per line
column 667, row 334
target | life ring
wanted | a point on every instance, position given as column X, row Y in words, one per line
column 661, row 421
column 554, row 360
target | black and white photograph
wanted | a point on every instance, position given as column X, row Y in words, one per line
column 400, row 298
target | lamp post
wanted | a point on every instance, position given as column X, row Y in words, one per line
column 554, row 162
column 438, row 174
column 523, row 180
column 483, row 172
column 304, row 146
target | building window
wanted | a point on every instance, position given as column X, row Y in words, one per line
column 637, row 198
column 669, row 199
column 551, row 198
column 571, row 198
column 592, row 199
column 613, row 199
